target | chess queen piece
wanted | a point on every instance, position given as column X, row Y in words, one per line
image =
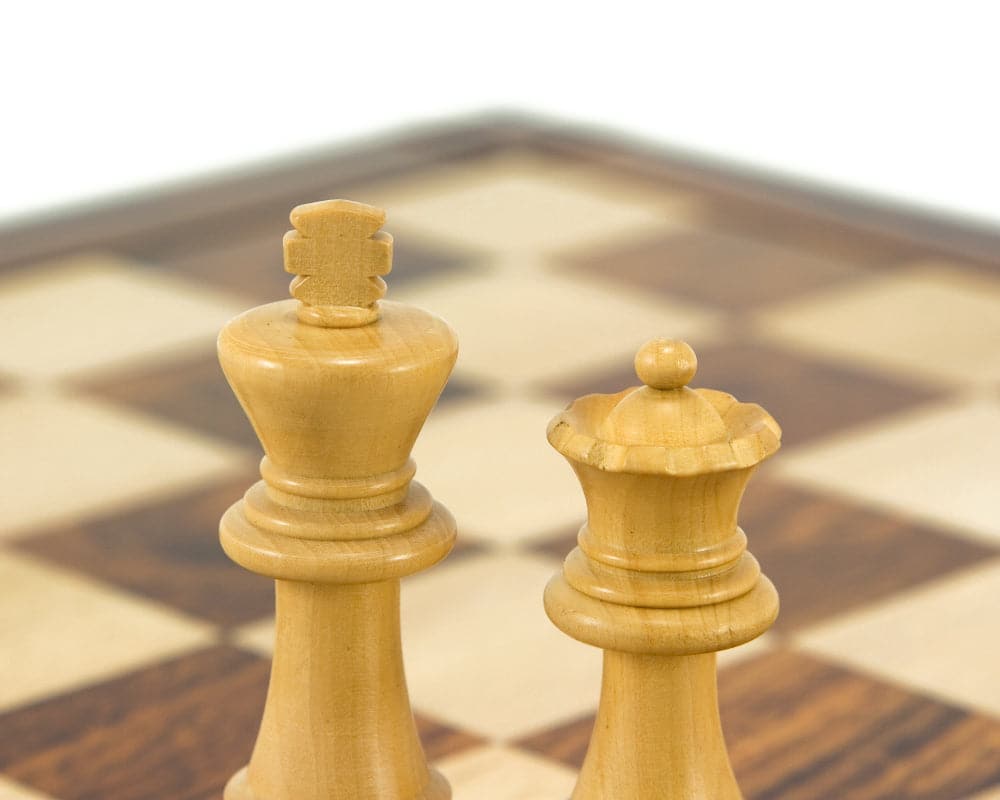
column 661, row 579
column 337, row 385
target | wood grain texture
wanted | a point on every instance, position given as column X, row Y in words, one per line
column 337, row 386
column 177, row 730
column 661, row 579
column 802, row 729
column 829, row 556
column 338, row 255
column 227, row 233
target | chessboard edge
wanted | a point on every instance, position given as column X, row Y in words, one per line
column 424, row 146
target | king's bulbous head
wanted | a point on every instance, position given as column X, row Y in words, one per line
column 337, row 382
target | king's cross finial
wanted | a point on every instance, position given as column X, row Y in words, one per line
column 337, row 253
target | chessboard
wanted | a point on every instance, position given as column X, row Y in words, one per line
column 134, row 655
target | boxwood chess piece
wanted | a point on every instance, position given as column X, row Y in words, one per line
column 661, row 578
column 337, row 386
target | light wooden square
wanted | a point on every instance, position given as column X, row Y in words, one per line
column 62, row 457
column 12, row 790
column 92, row 313
column 490, row 464
column 989, row 794
column 60, row 631
column 928, row 322
column 481, row 653
column 518, row 204
column 516, row 329
column 502, row 773
column 938, row 464
column 940, row 639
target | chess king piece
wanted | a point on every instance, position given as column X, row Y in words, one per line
column 337, row 385
column 661, row 578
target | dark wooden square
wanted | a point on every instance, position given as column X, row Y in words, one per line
column 191, row 391
column 827, row 555
column 715, row 269
column 782, row 224
column 168, row 551
column 178, row 729
column 799, row 728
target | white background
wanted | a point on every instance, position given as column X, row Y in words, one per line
column 891, row 98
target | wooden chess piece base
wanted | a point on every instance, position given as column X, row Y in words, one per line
column 337, row 384
column 645, row 701
column 337, row 657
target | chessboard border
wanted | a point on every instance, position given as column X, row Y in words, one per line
column 228, row 201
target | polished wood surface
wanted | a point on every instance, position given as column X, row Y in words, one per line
column 160, row 717
column 338, row 254
column 337, row 386
column 661, row 578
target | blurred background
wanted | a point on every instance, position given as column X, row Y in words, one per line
column 892, row 99
column 807, row 194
